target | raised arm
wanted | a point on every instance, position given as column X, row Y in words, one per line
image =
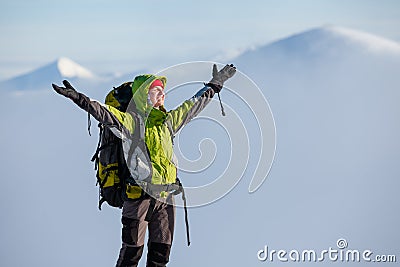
column 105, row 114
column 189, row 109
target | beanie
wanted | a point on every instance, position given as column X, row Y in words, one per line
column 157, row 83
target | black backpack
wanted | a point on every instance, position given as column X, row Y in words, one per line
column 109, row 158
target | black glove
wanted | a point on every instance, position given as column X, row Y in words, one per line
column 67, row 91
column 220, row 77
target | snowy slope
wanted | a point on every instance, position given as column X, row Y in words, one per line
column 334, row 95
column 317, row 47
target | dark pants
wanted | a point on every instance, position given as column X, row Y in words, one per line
column 161, row 229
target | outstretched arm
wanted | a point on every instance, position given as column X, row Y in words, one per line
column 105, row 114
column 189, row 109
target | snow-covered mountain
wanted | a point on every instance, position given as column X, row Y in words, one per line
column 64, row 68
column 41, row 78
column 69, row 69
column 317, row 47
column 334, row 93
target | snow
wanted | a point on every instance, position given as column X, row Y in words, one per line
column 369, row 41
column 319, row 45
column 56, row 71
column 70, row 69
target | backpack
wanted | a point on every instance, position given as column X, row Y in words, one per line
column 109, row 158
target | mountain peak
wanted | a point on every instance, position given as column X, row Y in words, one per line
column 369, row 41
column 70, row 69
column 62, row 68
column 326, row 44
column 328, row 38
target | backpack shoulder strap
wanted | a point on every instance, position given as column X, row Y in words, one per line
column 171, row 130
column 138, row 135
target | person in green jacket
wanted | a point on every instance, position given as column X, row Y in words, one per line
column 152, row 163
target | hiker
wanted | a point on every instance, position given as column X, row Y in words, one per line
column 149, row 158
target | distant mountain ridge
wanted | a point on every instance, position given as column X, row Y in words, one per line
column 316, row 45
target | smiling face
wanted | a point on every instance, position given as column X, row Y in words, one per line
column 157, row 96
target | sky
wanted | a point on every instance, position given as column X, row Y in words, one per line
column 123, row 36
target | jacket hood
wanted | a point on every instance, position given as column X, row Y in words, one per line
column 140, row 90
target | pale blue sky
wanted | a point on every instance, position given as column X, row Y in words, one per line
column 125, row 35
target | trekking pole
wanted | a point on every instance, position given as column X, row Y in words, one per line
column 186, row 217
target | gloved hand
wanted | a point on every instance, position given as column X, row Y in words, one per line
column 220, row 77
column 67, row 91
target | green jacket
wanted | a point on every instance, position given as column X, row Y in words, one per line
column 155, row 162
